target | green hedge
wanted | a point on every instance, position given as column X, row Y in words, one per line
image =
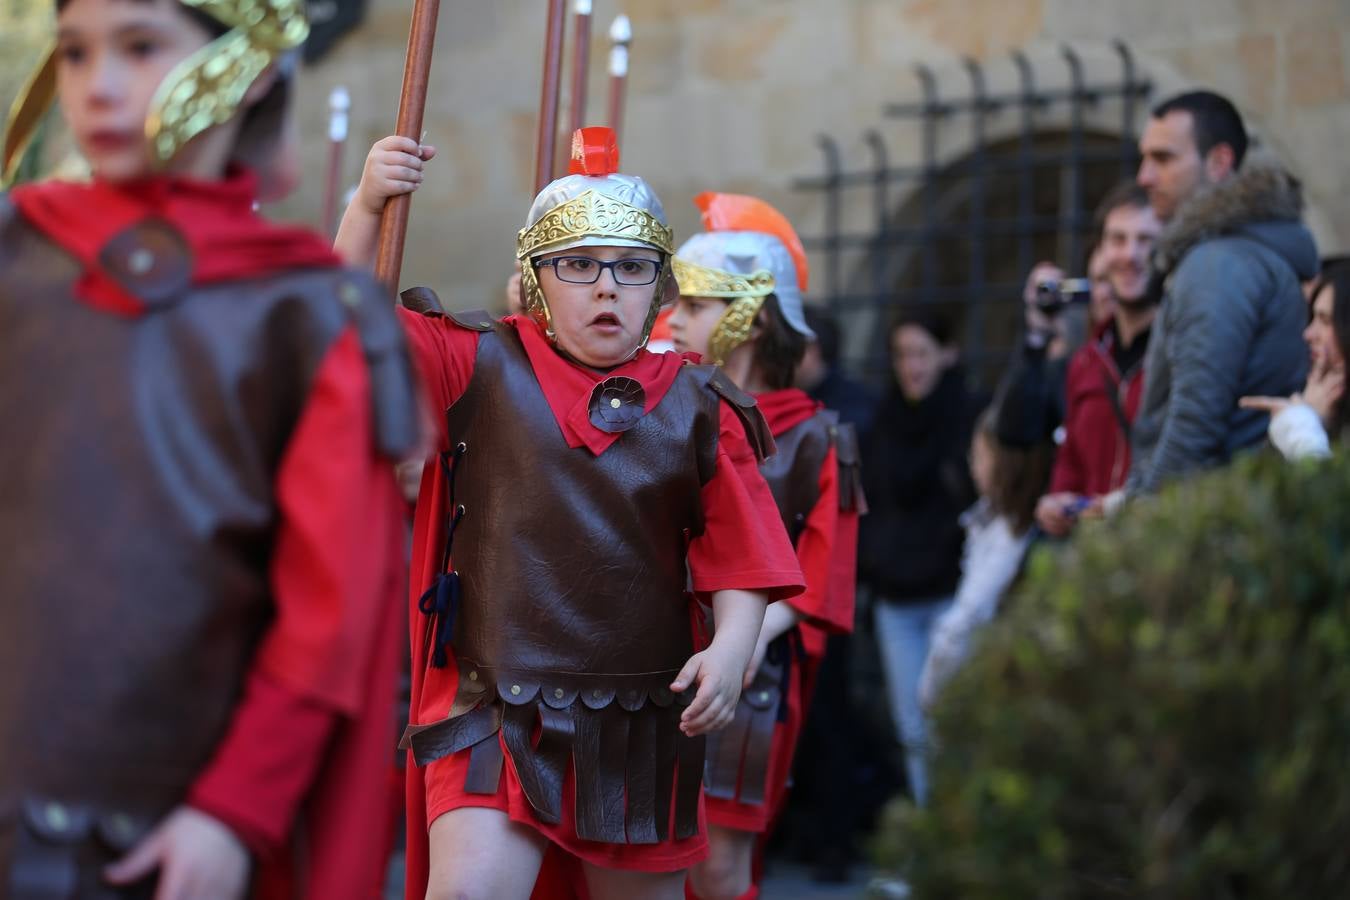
column 1163, row 711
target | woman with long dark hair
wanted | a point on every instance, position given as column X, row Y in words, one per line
column 918, row 485
column 1306, row 424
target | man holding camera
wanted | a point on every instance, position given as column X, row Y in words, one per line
column 1105, row 377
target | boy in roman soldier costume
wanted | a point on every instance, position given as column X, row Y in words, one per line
column 196, row 493
column 583, row 486
column 740, row 306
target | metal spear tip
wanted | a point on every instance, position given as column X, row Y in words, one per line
column 339, row 100
column 581, row 7
column 618, row 60
column 621, row 30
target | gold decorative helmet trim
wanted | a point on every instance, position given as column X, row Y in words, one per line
column 207, row 88
column 203, row 90
column 733, row 329
column 592, row 214
column 25, row 114
column 704, row 281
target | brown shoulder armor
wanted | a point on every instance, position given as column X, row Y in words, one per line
column 422, row 300
column 845, row 438
column 474, row 319
column 392, row 385
column 756, row 428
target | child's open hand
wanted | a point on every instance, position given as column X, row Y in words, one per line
column 393, row 167
column 719, row 681
column 195, row 854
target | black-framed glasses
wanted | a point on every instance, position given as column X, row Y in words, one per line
column 585, row 270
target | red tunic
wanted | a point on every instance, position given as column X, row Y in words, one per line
column 827, row 552
column 735, row 551
column 313, row 725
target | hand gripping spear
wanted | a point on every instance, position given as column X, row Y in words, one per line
column 411, row 105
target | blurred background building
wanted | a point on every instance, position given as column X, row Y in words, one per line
column 928, row 149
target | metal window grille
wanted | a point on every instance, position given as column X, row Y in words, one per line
column 965, row 233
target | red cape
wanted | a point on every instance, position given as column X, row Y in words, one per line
column 786, row 409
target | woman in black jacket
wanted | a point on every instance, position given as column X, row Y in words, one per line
column 917, row 484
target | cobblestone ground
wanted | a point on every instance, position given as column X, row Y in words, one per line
column 784, row 882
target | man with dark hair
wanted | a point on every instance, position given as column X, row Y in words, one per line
column 1032, row 394
column 1105, row 377
column 1192, row 139
column 1229, row 267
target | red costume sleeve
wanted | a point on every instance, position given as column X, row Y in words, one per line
column 336, row 573
column 265, row 765
column 444, row 354
column 827, row 550
column 744, row 544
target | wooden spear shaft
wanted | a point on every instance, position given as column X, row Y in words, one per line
column 339, row 104
column 581, row 62
column 620, row 35
column 618, row 85
column 548, row 96
column 411, row 105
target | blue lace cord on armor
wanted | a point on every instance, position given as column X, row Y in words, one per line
column 441, row 599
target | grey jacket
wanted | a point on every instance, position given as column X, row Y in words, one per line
column 1231, row 323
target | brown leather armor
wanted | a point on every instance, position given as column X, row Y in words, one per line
column 793, row 473
column 738, row 756
column 574, row 616
column 137, row 514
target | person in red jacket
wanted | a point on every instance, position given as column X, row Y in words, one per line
column 1106, row 376
column 202, row 528
column 741, row 282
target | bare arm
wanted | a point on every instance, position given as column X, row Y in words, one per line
column 779, row 618
column 721, row 671
column 393, row 167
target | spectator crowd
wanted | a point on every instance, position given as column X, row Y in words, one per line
column 1212, row 330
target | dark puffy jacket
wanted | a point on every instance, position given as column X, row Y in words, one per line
column 918, row 483
column 1231, row 323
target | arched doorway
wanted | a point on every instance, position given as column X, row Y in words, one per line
column 967, row 227
column 970, row 259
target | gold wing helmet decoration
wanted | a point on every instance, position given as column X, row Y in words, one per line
column 746, row 294
column 202, row 91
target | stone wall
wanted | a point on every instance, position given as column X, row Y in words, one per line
column 731, row 94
